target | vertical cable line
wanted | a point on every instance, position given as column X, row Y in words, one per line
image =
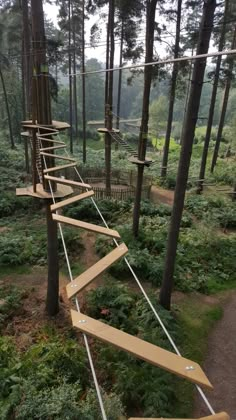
column 146, row 296
column 99, row 396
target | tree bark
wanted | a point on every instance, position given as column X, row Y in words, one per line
column 120, row 77
column 212, row 104
column 83, row 87
column 109, row 117
column 75, row 80
column 224, row 106
column 186, row 151
column 26, row 57
column 143, row 134
column 42, row 113
column 172, row 92
column 70, row 81
column 8, row 110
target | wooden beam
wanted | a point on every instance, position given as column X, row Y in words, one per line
column 57, row 156
column 71, row 200
column 219, row 416
column 51, row 141
column 88, row 226
column 93, row 272
column 146, row 351
column 67, row 182
column 60, row 146
column 58, row 168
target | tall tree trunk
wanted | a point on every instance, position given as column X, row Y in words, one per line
column 26, row 58
column 107, row 65
column 75, row 80
column 120, row 77
column 224, row 105
column 143, row 134
column 23, row 80
column 83, row 87
column 172, row 92
column 109, row 97
column 7, row 109
column 213, row 101
column 42, row 113
column 186, row 151
column 70, row 81
column 187, row 95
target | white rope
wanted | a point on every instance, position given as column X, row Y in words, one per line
column 78, row 309
column 159, row 62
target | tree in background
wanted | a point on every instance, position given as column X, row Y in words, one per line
column 186, row 150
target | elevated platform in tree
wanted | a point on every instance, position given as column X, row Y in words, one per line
column 106, row 130
column 136, row 161
column 62, row 191
column 57, row 125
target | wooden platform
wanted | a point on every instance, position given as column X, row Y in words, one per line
column 45, row 149
column 56, row 125
column 87, row 226
column 71, row 200
column 62, row 191
column 93, row 272
column 136, row 161
column 219, row 416
column 67, row 182
column 59, row 168
column 146, row 351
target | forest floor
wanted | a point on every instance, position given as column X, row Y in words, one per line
column 160, row 195
column 220, row 362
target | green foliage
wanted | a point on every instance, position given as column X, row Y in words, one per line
column 10, row 299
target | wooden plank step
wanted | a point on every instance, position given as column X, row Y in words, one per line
column 139, row 348
column 51, row 141
column 58, row 168
column 71, row 200
column 80, row 282
column 87, row 226
column 57, row 156
column 60, row 146
column 219, row 416
column 65, row 181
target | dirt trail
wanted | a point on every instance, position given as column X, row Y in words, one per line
column 220, row 364
column 160, row 195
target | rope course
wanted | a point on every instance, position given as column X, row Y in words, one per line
column 154, row 355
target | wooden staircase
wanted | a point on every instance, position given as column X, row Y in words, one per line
column 141, row 349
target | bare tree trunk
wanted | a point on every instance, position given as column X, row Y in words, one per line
column 107, row 64
column 172, row 92
column 186, row 151
column 212, row 104
column 70, row 82
column 26, row 59
column 75, row 80
column 42, row 112
column 83, row 87
column 23, row 80
column 7, row 109
column 109, row 98
column 143, row 134
column 224, row 106
column 120, row 77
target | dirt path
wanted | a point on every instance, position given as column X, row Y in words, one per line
column 160, row 195
column 220, row 364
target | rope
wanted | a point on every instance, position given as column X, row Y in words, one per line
column 78, row 309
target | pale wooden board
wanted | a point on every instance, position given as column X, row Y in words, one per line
column 60, row 146
column 87, row 226
column 141, row 349
column 57, row 156
column 106, row 130
column 93, row 272
column 58, row 168
column 56, row 125
column 219, row 416
column 67, row 182
column 71, row 200
column 61, row 192
column 140, row 162
column 25, row 134
column 51, row 141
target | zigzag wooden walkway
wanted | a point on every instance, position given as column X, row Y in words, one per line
column 148, row 352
